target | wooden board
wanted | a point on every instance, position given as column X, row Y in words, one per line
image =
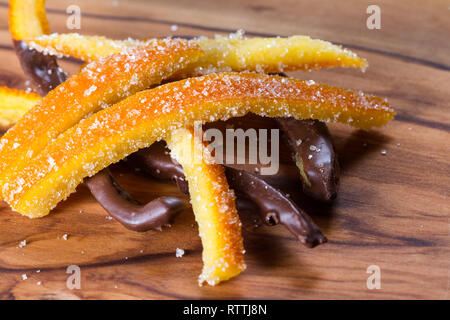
column 392, row 210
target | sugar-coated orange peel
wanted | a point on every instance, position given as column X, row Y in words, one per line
column 232, row 53
column 270, row 55
column 214, row 207
column 27, row 19
column 136, row 122
column 86, row 48
column 14, row 104
column 98, row 85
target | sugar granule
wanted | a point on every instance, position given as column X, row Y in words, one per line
column 179, row 253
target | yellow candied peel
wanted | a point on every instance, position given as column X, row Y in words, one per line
column 86, row 48
column 14, row 104
column 136, row 122
column 214, row 207
column 98, row 85
column 270, row 55
column 27, row 19
column 232, row 53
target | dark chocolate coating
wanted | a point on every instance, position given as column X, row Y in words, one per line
column 273, row 206
column 156, row 161
column 41, row 69
column 122, row 207
column 319, row 167
column 312, row 145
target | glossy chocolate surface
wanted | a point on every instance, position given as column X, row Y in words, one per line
column 275, row 206
column 313, row 151
column 42, row 70
column 122, row 207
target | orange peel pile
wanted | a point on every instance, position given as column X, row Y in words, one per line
column 233, row 53
column 214, row 207
column 101, row 115
column 14, row 104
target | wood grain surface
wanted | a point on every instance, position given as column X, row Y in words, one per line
column 392, row 210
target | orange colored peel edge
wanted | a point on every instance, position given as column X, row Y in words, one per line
column 14, row 104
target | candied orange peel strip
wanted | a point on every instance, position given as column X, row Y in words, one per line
column 233, row 53
column 136, row 122
column 98, row 85
column 214, row 207
column 271, row 55
column 86, row 48
column 27, row 19
column 14, row 104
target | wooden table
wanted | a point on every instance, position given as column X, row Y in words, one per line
column 392, row 210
